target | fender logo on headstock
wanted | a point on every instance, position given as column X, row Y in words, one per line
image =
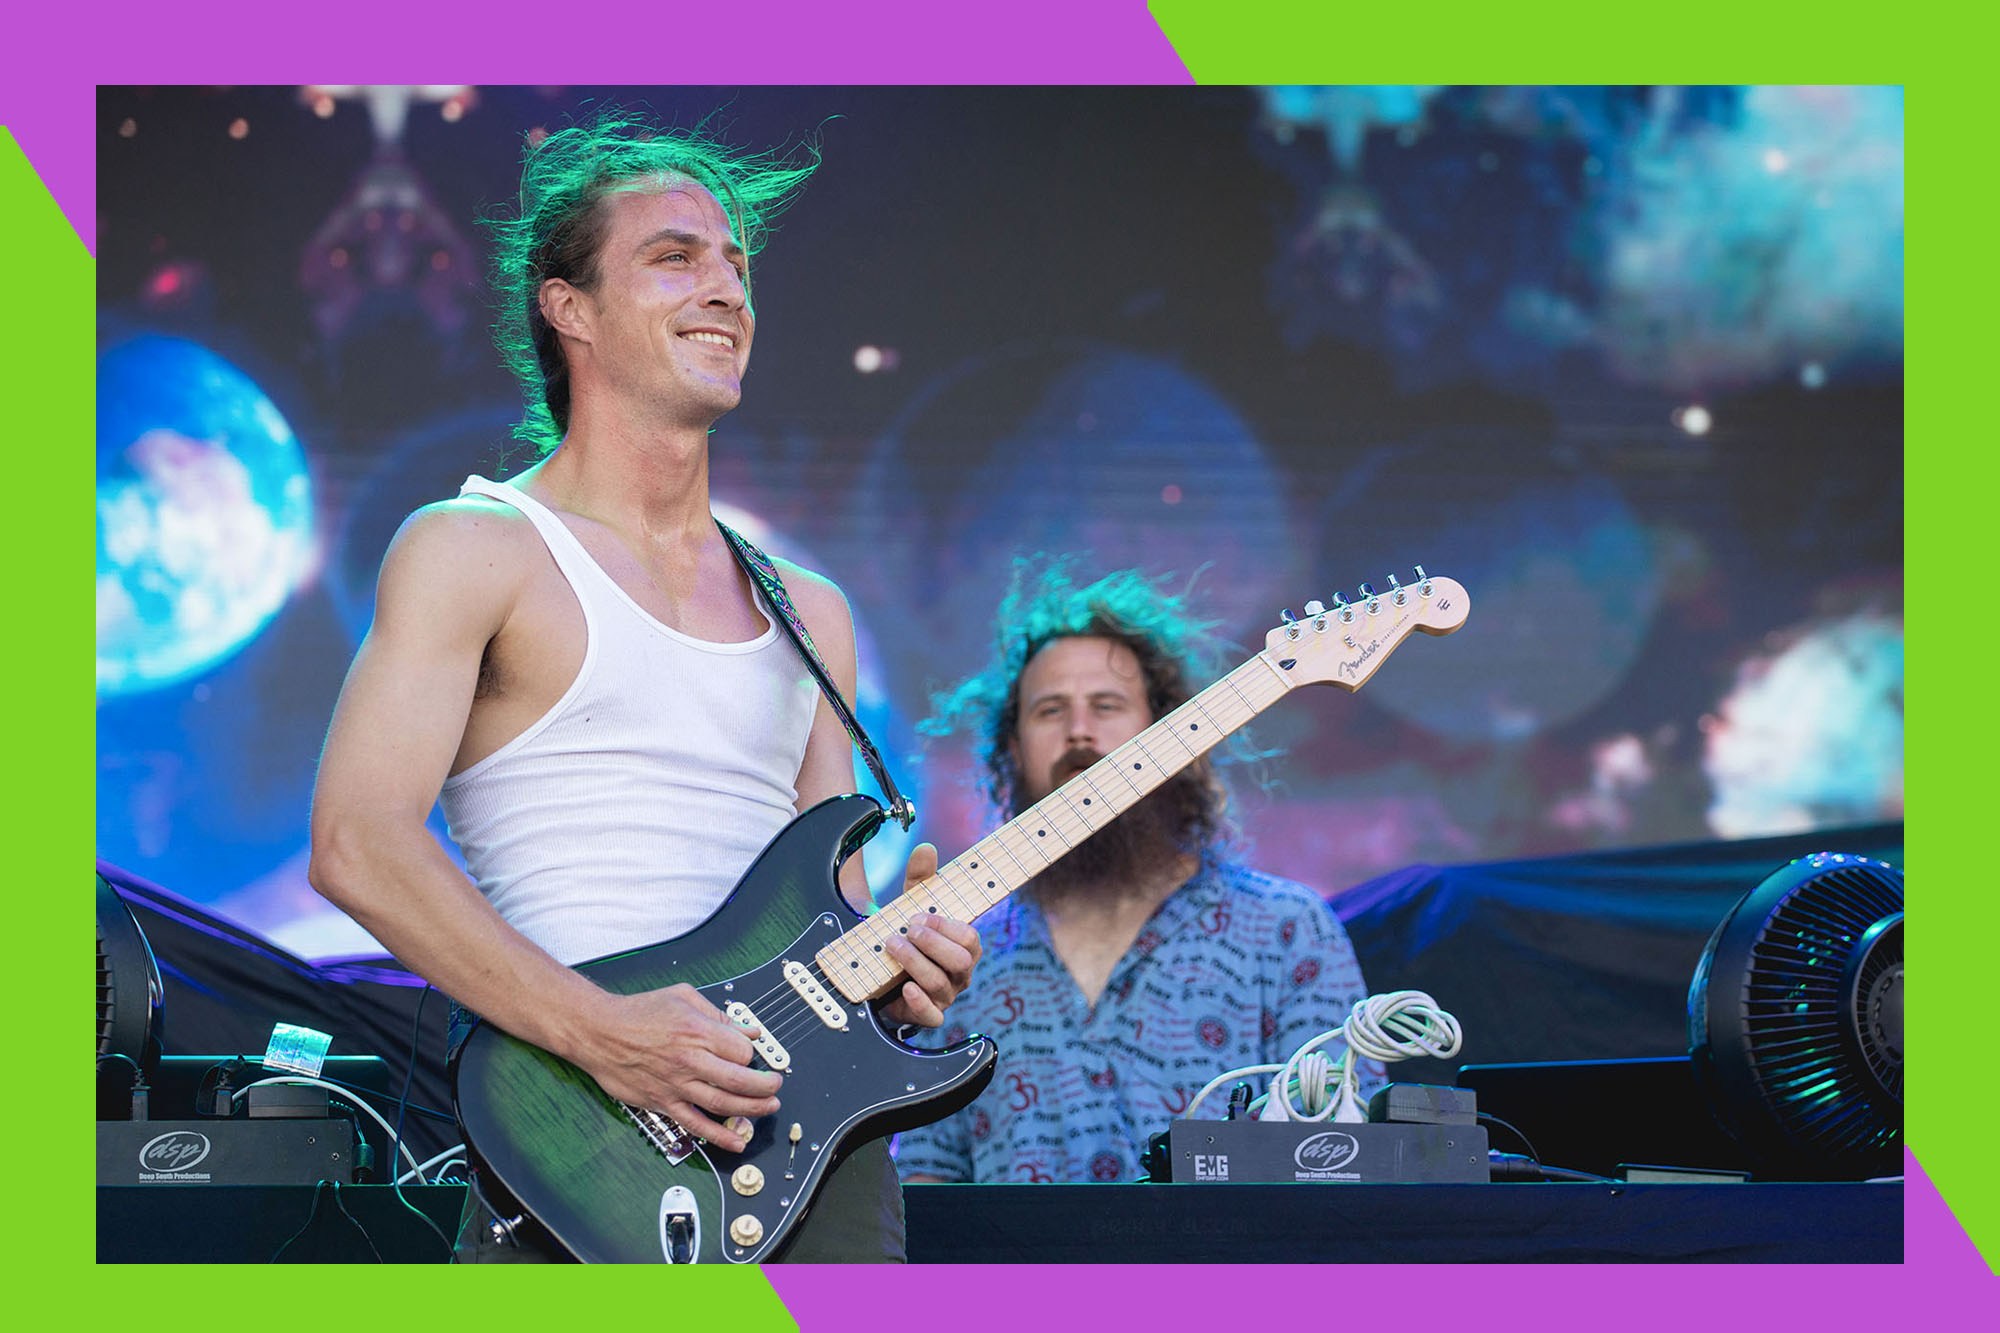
column 1355, row 663
column 1367, row 630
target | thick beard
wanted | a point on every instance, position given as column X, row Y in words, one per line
column 1138, row 845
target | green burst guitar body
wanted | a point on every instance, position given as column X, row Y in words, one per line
column 784, row 954
column 616, row 1185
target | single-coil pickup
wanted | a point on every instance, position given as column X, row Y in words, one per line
column 766, row 1044
column 830, row 1010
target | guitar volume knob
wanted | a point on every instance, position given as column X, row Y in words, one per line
column 746, row 1230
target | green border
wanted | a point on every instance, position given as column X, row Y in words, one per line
column 1947, row 789
column 54, row 351
column 54, row 771
column 51, row 345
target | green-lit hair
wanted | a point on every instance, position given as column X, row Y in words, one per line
column 558, row 231
column 1177, row 652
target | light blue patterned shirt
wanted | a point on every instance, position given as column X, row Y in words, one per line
column 1235, row 968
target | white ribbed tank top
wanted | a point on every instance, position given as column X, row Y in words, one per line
column 626, row 813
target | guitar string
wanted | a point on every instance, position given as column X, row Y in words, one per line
column 1201, row 706
column 790, row 1021
column 1049, row 812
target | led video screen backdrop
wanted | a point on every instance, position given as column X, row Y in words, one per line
column 1626, row 362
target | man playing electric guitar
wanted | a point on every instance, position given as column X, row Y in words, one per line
column 574, row 665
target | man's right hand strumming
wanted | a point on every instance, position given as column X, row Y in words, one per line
column 672, row 1051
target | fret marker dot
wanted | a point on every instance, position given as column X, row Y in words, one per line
column 931, row 910
column 989, row 883
column 1194, row 726
column 1041, row 833
column 902, row 930
column 878, row 948
column 1086, row 800
column 1137, row 766
column 855, row 963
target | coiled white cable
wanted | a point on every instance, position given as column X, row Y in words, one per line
column 1396, row 1025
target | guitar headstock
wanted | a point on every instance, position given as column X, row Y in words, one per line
column 1344, row 643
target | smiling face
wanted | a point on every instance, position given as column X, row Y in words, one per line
column 665, row 330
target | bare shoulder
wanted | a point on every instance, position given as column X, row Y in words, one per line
column 466, row 558
column 822, row 605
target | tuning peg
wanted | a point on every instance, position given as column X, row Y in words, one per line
column 1291, row 623
column 1374, row 601
column 1341, row 607
column 1368, row 590
column 1423, row 582
column 1401, row 598
column 1315, row 607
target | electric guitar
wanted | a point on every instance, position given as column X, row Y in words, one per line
column 621, row 1184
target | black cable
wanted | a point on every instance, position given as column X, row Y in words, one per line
column 432, row 1112
column 1488, row 1115
column 1513, row 1166
column 201, row 1084
column 275, row 1254
column 395, row 1145
column 357, row 1226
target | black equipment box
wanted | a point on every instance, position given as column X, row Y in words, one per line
column 1224, row 1151
column 184, row 1085
column 1595, row 1115
column 224, row 1152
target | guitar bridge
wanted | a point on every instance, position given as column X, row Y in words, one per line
column 663, row 1132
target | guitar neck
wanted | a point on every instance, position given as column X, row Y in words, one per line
column 861, row 969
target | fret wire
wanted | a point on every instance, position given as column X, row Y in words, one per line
column 996, row 840
column 1176, row 732
column 1237, row 690
column 957, row 901
column 1137, row 792
column 1225, row 705
column 1020, row 831
column 968, row 896
column 1081, row 818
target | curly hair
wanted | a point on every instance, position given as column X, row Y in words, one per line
column 558, row 230
column 1177, row 653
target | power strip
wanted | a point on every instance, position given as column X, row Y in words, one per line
column 1225, row 1152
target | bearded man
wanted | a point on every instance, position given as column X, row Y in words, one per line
column 1146, row 961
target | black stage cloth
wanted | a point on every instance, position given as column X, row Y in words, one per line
column 1570, row 958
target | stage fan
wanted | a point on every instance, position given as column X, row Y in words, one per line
column 128, row 984
column 1795, row 1020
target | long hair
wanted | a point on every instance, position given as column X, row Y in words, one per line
column 557, row 231
column 1177, row 652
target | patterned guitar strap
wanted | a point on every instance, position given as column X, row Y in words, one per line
column 765, row 575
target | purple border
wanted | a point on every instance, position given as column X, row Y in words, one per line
column 49, row 101
column 1941, row 1270
column 48, row 106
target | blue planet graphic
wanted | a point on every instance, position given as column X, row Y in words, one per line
column 204, row 512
